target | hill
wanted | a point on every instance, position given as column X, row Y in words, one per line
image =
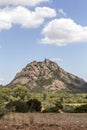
column 49, row 77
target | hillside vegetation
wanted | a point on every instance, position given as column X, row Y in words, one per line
column 20, row 99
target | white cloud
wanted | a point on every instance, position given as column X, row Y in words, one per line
column 61, row 12
column 22, row 2
column 64, row 31
column 24, row 17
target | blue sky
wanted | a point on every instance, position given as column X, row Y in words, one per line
column 54, row 29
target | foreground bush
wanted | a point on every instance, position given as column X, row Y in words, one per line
column 68, row 109
column 58, row 105
column 17, row 106
column 81, row 109
column 57, row 108
column 34, row 105
column 51, row 110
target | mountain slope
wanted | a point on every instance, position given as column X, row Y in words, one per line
column 48, row 76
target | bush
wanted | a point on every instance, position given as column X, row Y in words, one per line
column 68, row 109
column 57, row 108
column 34, row 105
column 17, row 106
column 21, row 92
column 50, row 110
column 5, row 93
column 81, row 109
column 58, row 105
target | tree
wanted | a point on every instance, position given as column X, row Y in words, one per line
column 17, row 106
column 5, row 93
column 34, row 105
column 21, row 92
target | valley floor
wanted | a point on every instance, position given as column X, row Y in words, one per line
column 44, row 121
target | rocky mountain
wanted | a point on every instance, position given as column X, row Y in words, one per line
column 48, row 76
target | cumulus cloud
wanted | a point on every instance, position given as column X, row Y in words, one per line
column 64, row 31
column 22, row 2
column 61, row 12
column 24, row 17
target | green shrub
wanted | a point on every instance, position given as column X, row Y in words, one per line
column 21, row 92
column 34, row 105
column 5, row 93
column 58, row 105
column 55, row 109
column 50, row 110
column 81, row 109
column 17, row 106
column 68, row 109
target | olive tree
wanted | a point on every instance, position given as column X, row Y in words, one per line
column 21, row 92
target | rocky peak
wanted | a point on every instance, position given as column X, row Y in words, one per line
column 47, row 76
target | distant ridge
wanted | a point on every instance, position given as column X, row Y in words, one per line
column 47, row 76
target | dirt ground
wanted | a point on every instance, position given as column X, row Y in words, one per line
column 43, row 121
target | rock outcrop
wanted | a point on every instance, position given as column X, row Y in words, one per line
column 48, row 76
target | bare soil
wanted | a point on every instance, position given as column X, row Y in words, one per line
column 44, row 121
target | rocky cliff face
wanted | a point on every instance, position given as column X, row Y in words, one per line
column 48, row 76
